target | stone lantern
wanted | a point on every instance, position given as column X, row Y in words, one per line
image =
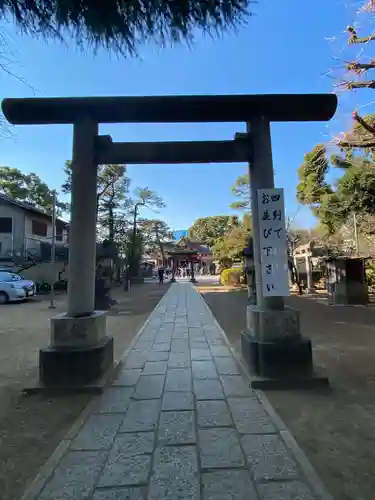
column 248, row 254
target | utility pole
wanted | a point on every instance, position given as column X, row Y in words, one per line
column 53, row 251
column 356, row 238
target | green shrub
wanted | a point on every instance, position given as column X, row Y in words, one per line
column 370, row 273
column 231, row 276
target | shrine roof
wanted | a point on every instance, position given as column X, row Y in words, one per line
column 186, row 242
column 182, row 251
column 171, row 109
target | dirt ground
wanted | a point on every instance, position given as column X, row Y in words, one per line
column 335, row 427
column 31, row 427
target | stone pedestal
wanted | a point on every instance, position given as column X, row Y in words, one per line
column 271, row 325
column 275, row 353
column 80, row 351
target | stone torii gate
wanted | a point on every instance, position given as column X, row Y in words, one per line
column 80, row 350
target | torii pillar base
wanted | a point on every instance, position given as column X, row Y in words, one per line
column 276, row 354
column 80, row 352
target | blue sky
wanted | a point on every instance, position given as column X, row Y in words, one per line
column 283, row 49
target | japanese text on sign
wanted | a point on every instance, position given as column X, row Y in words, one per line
column 273, row 244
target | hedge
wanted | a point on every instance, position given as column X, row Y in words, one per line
column 231, row 276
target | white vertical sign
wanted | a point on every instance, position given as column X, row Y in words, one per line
column 273, row 243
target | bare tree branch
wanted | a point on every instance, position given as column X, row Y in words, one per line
column 353, row 38
column 368, row 84
column 360, row 67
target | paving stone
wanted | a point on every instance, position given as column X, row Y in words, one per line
column 161, row 347
column 179, row 345
column 127, row 378
column 194, row 330
column 220, row 448
column 97, row 433
column 165, row 339
column 74, row 476
column 201, row 344
column 141, row 416
column 235, row 385
column 180, row 336
column 268, row 457
column 178, row 379
column 131, row 444
column 155, row 368
column 126, row 471
column 175, row 460
column 213, row 414
column 158, row 356
column 211, row 336
column 220, row 351
column 129, row 460
column 203, row 369
column 177, row 401
column 179, row 360
column 208, row 389
column 228, row 485
column 217, row 342
column 164, row 329
column 175, row 474
column 181, row 329
column 250, row 416
column 144, row 343
column 226, row 366
column 200, row 354
column 176, row 427
column 149, row 387
column 136, row 359
column 115, row 400
column 292, row 490
column 120, row 494
column 198, row 337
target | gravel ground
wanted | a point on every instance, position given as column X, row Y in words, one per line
column 32, row 426
column 336, row 427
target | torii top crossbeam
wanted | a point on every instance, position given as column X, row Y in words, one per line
column 171, row 109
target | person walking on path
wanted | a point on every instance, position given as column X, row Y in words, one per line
column 161, row 275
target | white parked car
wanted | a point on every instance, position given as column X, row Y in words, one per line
column 15, row 288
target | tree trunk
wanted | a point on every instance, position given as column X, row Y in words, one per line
column 111, row 225
column 132, row 248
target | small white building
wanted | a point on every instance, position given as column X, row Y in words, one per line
column 23, row 228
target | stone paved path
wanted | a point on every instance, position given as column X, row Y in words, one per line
column 179, row 423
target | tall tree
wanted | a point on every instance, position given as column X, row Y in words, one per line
column 241, row 190
column 156, row 234
column 359, row 76
column 133, row 249
column 231, row 245
column 208, row 230
column 144, row 197
column 28, row 188
column 122, row 26
column 351, row 198
column 113, row 202
column 352, row 194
